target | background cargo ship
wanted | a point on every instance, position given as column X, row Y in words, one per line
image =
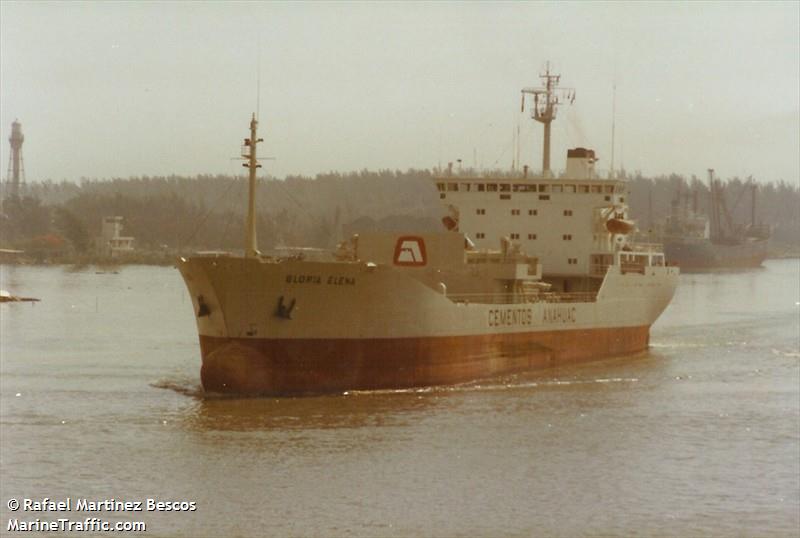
column 697, row 242
column 402, row 310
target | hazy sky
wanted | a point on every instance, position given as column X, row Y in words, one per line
column 119, row 89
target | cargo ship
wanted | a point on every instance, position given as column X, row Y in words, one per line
column 528, row 271
column 697, row 242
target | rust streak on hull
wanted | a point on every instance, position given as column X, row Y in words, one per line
column 308, row 366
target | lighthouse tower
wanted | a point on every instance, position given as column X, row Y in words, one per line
column 16, row 166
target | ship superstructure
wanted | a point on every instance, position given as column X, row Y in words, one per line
column 575, row 224
column 529, row 272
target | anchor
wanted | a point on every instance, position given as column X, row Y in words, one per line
column 284, row 311
column 202, row 307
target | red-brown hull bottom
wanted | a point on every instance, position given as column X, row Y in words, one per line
column 309, row 366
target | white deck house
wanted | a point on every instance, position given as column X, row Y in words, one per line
column 111, row 242
column 576, row 224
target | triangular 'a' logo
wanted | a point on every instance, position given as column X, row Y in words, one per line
column 410, row 250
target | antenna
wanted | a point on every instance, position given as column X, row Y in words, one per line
column 613, row 125
column 440, row 147
column 545, row 106
column 514, row 148
column 258, row 83
column 516, row 138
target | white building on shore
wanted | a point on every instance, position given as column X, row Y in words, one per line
column 111, row 241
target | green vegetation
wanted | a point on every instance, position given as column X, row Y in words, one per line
column 58, row 222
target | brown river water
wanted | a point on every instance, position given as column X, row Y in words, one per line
column 699, row 436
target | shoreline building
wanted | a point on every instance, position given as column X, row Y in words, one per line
column 111, row 241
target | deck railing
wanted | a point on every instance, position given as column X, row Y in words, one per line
column 644, row 247
column 632, row 268
column 522, row 298
column 598, row 269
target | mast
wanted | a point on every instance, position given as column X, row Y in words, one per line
column 515, row 164
column 545, row 106
column 721, row 203
column 719, row 209
column 250, row 243
column 713, row 209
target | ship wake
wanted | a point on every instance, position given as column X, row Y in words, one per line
column 493, row 386
column 184, row 387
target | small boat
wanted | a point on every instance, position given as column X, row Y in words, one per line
column 6, row 297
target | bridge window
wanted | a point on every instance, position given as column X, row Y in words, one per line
column 440, row 187
column 608, row 189
column 481, row 187
column 544, row 197
column 505, row 187
column 569, row 188
column 558, row 188
column 544, row 188
column 465, row 187
column 491, row 187
column 583, row 189
column 452, row 186
column 597, row 189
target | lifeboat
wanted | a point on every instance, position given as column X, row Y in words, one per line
column 620, row 226
column 450, row 223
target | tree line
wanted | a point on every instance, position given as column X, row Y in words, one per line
column 206, row 212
